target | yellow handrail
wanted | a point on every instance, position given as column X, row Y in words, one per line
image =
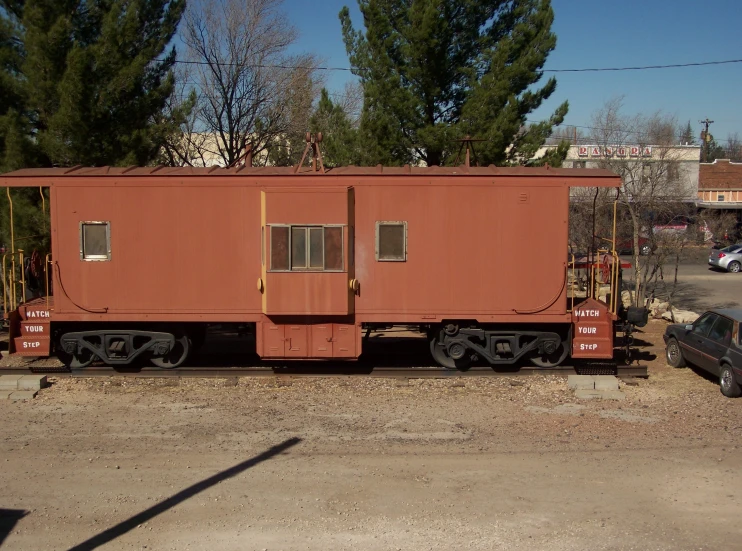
column 5, row 289
column 43, row 207
column 23, row 277
column 12, row 236
column 572, row 263
column 10, row 297
column 47, row 263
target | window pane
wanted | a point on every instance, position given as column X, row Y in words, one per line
column 703, row 325
column 722, row 331
column 333, row 248
column 391, row 242
column 298, row 248
column 279, row 248
column 94, row 241
column 315, row 248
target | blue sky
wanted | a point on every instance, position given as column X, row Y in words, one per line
column 603, row 34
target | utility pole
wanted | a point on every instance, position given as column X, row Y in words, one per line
column 706, row 138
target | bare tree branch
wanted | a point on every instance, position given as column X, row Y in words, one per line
column 250, row 90
column 653, row 186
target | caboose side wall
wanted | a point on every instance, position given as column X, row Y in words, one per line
column 474, row 250
column 189, row 249
column 485, row 252
column 175, row 250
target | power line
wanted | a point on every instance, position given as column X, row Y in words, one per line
column 642, row 68
column 257, row 66
column 581, row 70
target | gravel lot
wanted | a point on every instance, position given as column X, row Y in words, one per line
column 373, row 464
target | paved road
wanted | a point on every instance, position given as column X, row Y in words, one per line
column 699, row 286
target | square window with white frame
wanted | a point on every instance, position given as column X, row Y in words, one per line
column 95, row 241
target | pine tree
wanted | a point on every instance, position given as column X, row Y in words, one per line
column 686, row 135
column 436, row 70
column 92, row 79
column 15, row 144
column 340, row 145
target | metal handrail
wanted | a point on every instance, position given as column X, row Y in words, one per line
column 47, row 264
column 5, row 289
column 572, row 263
column 10, row 298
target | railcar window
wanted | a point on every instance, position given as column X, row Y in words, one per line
column 95, row 241
column 333, row 244
column 302, row 248
column 391, row 241
column 298, row 248
column 316, row 261
column 279, row 248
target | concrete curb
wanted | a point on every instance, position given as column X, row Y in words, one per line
column 595, row 387
column 21, row 387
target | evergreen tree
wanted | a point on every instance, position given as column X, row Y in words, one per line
column 713, row 150
column 436, row 70
column 91, row 80
column 340, row 140
column 15, row 144
column 686, row 135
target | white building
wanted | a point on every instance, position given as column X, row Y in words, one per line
column 682, row 161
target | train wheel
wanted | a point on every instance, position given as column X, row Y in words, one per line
column 550, row 360
column 177, row 355
column 440, row 355
column 76, row 361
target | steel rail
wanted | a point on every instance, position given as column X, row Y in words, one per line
column 356, row 370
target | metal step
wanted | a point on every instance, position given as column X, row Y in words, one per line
column 32, row 346
column 35, row 328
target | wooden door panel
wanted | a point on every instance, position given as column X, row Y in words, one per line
column 322, row 345
column 296, row 341
column 344, row 340
column 273, row 341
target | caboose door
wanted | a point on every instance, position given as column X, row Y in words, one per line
column 306, row 251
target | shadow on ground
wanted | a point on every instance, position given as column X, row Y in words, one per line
column 8, row 519
column 125, row 526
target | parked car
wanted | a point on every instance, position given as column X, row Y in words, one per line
column 712, row 343
column 728, row 258
column 626, row 245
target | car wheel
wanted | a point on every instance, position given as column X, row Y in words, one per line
column 734, row 266
column 674, row 354
column 645, row 250
column 729, row 386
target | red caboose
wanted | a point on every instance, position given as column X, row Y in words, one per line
column 143, row 259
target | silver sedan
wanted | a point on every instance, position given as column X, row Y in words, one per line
column 728, row 258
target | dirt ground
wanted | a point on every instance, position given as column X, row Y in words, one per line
column 373, row 464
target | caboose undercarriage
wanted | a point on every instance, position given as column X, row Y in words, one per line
column 456, row 346
column 169, row 346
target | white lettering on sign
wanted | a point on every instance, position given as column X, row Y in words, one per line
column 588, row 313
column 38, row 314
column 587, row 330
column 35, row 344
column 588, row 347
column 35, row 329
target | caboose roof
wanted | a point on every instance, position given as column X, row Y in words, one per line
column 596, row 177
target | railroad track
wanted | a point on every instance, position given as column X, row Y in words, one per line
column 347, row 370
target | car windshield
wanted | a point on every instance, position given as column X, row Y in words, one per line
column 732, row 249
